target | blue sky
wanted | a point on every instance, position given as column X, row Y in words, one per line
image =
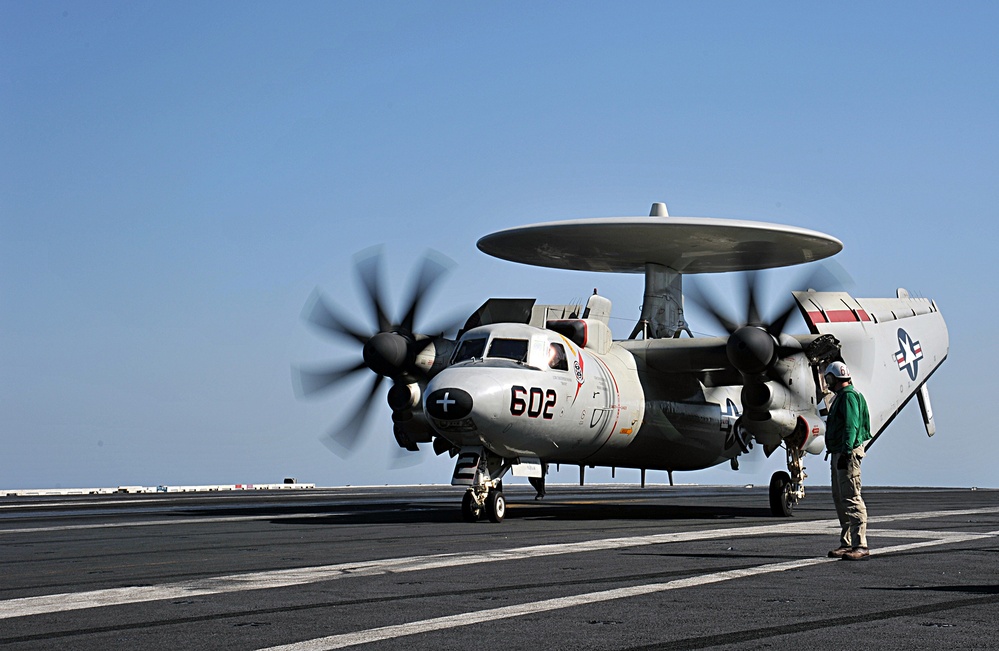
column 176, row 178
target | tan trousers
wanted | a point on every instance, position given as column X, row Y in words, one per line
column 850, row 505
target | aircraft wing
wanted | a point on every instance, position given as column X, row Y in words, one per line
column 680, row 355
column 891, row 345
column 703, row 358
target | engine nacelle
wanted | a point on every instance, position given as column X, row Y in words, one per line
column 810, row 435
column 410, row 429
column 784, row 412
column 770, row 428
column 411, row 426
column 403, row 396
column 436, row 356
column 759, row 398
column 785, row 426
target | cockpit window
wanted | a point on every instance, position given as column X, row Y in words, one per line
column 470, row 349
column 515, row 349
column 556, row 357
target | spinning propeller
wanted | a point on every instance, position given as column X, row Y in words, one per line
column 388, row 348
column 755, row 344
column 755, row 347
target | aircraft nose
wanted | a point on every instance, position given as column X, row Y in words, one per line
column 449, row 403
column 473, row 414
column 478, row 402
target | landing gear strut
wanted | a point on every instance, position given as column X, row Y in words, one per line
column 539, row 483
column 786, row 489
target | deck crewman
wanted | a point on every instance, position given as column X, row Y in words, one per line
column 848, row 428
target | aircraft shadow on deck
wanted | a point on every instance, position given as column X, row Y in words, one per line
column 435, row 513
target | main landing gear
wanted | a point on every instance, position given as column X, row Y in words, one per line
column 786, row 488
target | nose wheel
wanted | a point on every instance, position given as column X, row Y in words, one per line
column 470, row 510
column 475, row 503
column 482, row 472
column 495, row 506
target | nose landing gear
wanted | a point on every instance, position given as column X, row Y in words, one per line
column 482, row 500
column 482, row 472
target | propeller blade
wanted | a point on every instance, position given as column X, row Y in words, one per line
column 827, row 275
column 448, row 325
column 344, row 440
column 324, row 315
column 708, row 301
column 776, row 327
column 368, row 265
column 753, row 343
column 434, row 266
column 389, row 349
column 403, row 458
column 752, row 284
column 307, row 383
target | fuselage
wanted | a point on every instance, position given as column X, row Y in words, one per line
column 522, row 391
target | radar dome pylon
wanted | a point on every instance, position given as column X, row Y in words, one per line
column 662, row 301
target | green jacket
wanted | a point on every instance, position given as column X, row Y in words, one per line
column 849, row 423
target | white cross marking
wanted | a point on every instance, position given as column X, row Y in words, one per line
column 446, row 401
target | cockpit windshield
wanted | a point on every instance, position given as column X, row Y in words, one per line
column 515, row 349
column 470, row 349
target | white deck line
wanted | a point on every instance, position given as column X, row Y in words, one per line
column 545, row 605
column 27, row 606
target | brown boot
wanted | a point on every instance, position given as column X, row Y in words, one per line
column 857, row 554
column 839, row 552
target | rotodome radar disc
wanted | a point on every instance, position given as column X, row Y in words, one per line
column 689, row 245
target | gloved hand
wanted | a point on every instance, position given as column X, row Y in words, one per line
column 843, row 461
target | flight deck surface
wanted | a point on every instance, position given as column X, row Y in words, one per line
column 601, row 567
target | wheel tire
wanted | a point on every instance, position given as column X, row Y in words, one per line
column 470, row 511
column 781, row 501
column 496, row 506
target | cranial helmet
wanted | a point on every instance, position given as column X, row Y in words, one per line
column 838, row 370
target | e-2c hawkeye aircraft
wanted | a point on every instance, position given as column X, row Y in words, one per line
column 525, row 385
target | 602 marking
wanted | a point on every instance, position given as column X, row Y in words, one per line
column 534, row 402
